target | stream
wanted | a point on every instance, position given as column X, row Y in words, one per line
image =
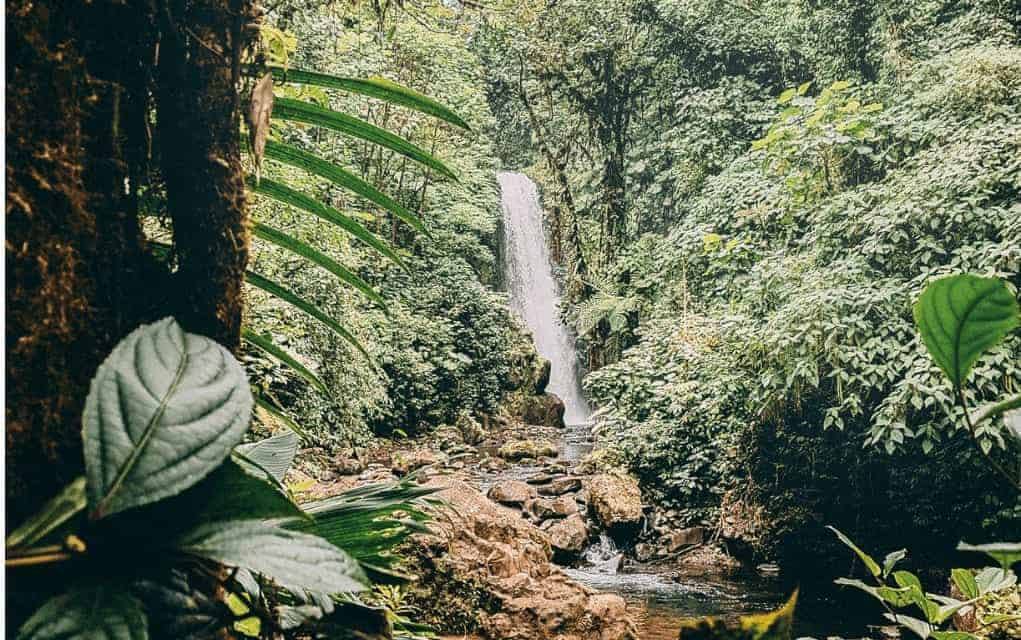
column 661, row 599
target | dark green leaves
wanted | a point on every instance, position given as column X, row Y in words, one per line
column 1006, row 553
column 92, row 612
column 298, row 111
column 870, row 564
column 375, row 88
column 164, row 410
column 296, row 561
column 960, row 317
column 70, row 501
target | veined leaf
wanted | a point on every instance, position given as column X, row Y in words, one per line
column 282, row 417
column 295, row 157
column 965, row 582
column 286, row 195
column 62, row 507
column 281, row 239
column 962, row 316
column 992, row 579
column 296, row 561
column 374, row 88
column 298, row 111
column 90, row 612
column 267, row 345
column 164, row 409
column 891, row 560
column 290, row 297
column 920, row 628
column 870, row 564
column 274, row 454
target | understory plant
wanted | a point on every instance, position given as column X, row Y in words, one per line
column 959, row 317
column 178, row 531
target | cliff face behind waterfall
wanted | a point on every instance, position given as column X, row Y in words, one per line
column 534, row 295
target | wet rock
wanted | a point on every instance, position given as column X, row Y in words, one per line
column 560, row 486
column 617, row 503
column 644, row 552
column 544, row 409
column 516, row 450
column 565, row 506
column 568, row 537
column 545, row 508
column 483, row 553
column 404, row 462
column 376, row 473
column 540, row 478
column 513, row 492
column 469, row 428
column 685, row 538
column 542, row 376
column 347, row 465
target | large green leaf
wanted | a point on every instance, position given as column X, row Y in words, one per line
column 164, row 410
column 960, row 317
column 62, row 507
column 296, row 561
column 290, row 297
column 1006, row 553
column 267, row 345
column 89, row 612
column 375, row 88
column 870, row 564
column 281, row 239
column 275, row 454
column 295, row 157
column 298, row 111
column 286, row 195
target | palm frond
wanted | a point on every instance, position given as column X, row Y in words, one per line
column 288, row 296
column 286, row 195
column 374, row 88
column 295, row 157
column 281, row 239
column 265, row 344
column 298, row 111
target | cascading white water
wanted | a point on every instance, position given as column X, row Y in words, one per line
column 534, row 296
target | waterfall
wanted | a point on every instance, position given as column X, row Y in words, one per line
column 534, row 295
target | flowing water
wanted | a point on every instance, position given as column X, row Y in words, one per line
column 662, row 600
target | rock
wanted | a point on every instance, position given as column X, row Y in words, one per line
column 545, row 508
column 560, row 486
column 685, row 538
column 483, row 553
column 347, row 466
column 617, row 503
column 512, row 492
column 544, row 409
column 568, row 537
column 471, row 431
column 542, row 376
column 644, row 552
column 565, row 506
column 520, row 449
column 405, row 462
column 540, row 478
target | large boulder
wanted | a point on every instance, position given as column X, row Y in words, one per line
column 616, row 501
column 486, row 573
column 560, row 486
column 569, row 537
column 545, row 409
column 404, row 462
column 520, row 449
column 513, row 492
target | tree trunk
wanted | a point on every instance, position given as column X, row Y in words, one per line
column 79, row 276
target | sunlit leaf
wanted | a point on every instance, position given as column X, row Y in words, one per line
column 89, row 612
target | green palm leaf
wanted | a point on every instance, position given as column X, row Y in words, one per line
column 293, row 299
column 298, row 111
column 374, row 88
column 292, row 156
column 286, row 195
column 281, row 239
column 267, row 345
column 269, row 408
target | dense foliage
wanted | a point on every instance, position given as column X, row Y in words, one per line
column 795, row 173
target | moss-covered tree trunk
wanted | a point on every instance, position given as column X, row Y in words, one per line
column 79, row 155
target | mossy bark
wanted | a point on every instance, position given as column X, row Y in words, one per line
column 79, row 276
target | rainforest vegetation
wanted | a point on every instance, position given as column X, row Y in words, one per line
column 265, row 377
